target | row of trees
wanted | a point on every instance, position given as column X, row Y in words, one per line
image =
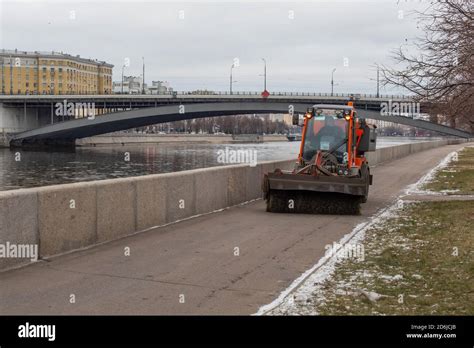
column 439, row 67
column 241, row 124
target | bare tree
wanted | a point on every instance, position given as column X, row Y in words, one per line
column 441, row 70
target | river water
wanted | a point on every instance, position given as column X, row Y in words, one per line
column 20, row 169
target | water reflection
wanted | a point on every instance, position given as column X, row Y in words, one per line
column 19, row 169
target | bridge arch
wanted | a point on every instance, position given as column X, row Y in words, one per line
column 66, row 132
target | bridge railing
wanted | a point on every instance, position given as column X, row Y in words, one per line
column 290, row 94
column 236, row 93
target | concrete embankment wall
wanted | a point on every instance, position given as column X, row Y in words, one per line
column 62, row 218
column 394, row 152
column 126, row 139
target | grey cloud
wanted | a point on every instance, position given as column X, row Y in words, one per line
column 197, row 51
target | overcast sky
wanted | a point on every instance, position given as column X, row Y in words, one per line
column 193, row 44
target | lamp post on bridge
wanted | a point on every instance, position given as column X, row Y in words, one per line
column 123, row 67
column 265, row 93
column 377, row 80
column 378, row 94
column 332, row 81
column 231, row 79
column 143, row 81
column 264, row 74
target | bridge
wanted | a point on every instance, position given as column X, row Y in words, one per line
column 120, row 112
column 130, row 101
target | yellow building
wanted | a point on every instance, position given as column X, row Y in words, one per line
column 52, row 73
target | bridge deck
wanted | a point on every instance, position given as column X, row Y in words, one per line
column 89, row 126
column 195, row 258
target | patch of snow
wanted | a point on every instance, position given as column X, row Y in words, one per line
column 371, row 296
column 416, row 188
column 450, row 191
column 392, row 278
column 302, row 298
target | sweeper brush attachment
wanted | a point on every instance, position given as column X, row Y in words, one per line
column 307, row 202
column 286, row 192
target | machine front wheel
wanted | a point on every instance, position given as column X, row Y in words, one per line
column 365, row 174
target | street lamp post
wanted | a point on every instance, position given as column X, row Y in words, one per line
column 332, row 81
column 377, row 80
column 143, row 82
column 264, row 74
column 123, row 67
column 232, row 67
column 378, row 94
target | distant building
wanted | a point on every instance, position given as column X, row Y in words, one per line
column 131, row 85
column 23, row 72
column 160, row 87
column 134, row 85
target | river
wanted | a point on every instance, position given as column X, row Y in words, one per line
column 20, row 169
